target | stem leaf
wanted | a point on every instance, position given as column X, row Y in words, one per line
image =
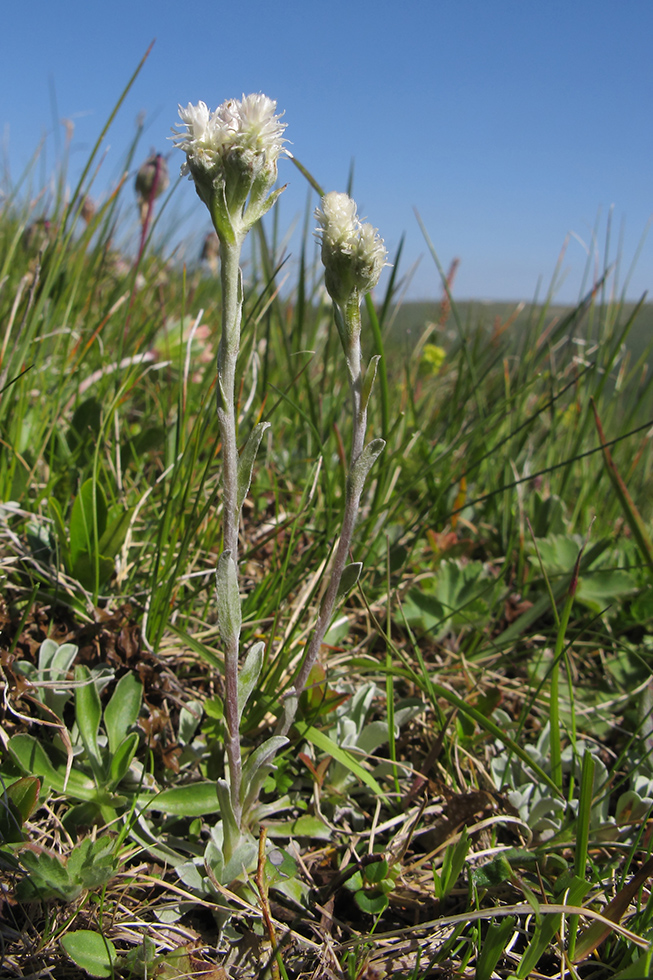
column 364, row 464
column 246, row 461
column 229, row 611
column 368, row 381
column 257, row 768
column 249, row 675
column 350, row 575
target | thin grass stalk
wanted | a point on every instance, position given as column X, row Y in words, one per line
column 582, row 836
column 554, row 690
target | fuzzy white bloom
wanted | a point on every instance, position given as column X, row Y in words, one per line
column 246, row 125
column 338, row 221
column 353, row 253
column 370, row 257
column 200, row 141
column 259, row 129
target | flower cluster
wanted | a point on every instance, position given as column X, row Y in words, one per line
column 232, row 152
column 246, row 125
column 353, row 253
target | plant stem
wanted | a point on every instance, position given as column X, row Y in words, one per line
column 352, row 503
column 227, row 359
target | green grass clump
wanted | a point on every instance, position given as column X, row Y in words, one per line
column 468, row 783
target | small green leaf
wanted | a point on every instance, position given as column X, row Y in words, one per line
column 92, row 571
column 33, row 759
column 24, row 794
column 249, row 675
column 231, row 831
column 121, row 713
column 93, row 862
column 350, row 575
column 364, row 463
column 257, row 768
column 55, row 660
column 373, row 903
column 60, row 529
column 190, row 717
column 368, row 381
column 306, row 826
column 91, row 952
column 493, row 947
column 114, row 536
column 376, row 872
column 194, row 800
column 122, row 759
column 243, row 860
column 87, row 520
column 48, row 878
column 88, row 712
column 16, row 804
column 495, row 872
column 228, row 599
column 279, row 866
column 247, row 459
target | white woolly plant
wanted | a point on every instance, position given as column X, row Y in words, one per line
column 353, row 256
column 232, row 155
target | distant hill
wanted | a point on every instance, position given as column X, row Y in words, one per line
column 407, row 322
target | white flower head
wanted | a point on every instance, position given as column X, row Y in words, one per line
column 259, row 129
column 200, row 140
column 370, row 257
column 353, row 253
column 248, row 124
column 338, row 221
column 232, row 154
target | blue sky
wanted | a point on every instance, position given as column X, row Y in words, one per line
column 508, row 124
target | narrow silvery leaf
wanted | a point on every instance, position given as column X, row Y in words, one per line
column 223, row 401
column 257, row 768
column 364, row 463
column 242, row 861
column 349, row 578
column 249, row 675
column 230, row 831
column 226, row 585
column 246, row 461
column 369, row 379
column 341, row 325
column 290, row 703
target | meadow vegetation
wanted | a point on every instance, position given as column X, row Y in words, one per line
column 467, row 785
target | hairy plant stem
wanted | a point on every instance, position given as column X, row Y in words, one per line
column 227, row 359
column 352, row 319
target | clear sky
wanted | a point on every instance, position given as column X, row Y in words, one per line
column 507, row 123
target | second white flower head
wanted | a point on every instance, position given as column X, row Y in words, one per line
column 353, row 253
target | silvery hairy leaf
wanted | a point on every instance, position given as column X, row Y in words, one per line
column 228, row 598
column 258, row 767
column 249, row 675
column 246, row 461
column 349, row 578
column 364, row 463
column 368, row 381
